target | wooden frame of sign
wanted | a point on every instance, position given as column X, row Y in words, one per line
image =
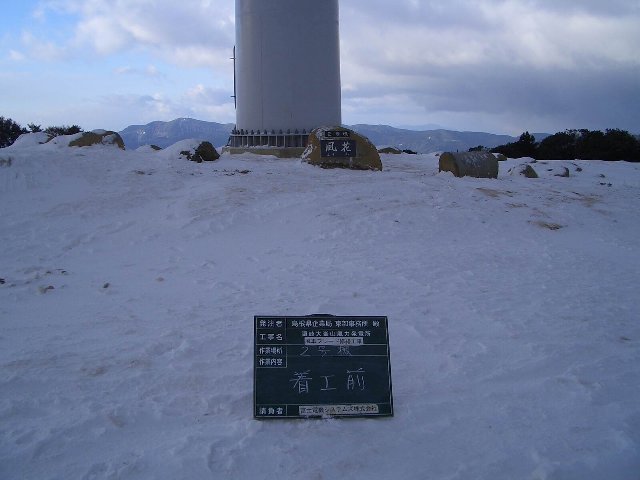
column 321, row 366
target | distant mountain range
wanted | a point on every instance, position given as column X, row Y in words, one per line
column 164, row 134
column 427, row 141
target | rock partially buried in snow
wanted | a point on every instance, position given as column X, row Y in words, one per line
column 98, row 137
column 191, row 149
column 528, row 171
column 525, row 170
column 205, row 152
column 470, row 164
column 390, row 150
column 546, row 169
column 339, row 147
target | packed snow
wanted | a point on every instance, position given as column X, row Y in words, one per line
column 130, row 279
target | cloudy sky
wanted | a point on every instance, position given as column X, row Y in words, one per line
column 502, row 66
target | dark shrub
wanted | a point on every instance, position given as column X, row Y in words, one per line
column 9, row 132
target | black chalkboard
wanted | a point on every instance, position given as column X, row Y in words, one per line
column 321, row 366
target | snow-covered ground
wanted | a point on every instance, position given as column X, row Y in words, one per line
column 130, row 281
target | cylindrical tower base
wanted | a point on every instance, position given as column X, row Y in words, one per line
column 287, row 70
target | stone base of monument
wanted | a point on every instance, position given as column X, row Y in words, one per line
column 470, row 164
column 280, row 152
column 339, row 147
column 279, row 144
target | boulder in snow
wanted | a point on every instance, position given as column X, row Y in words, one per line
column 525, row 170
column 339, row 147
column 470, row 164
column 390, row 150
column 98, row 137
column 191, row 149
column 528, row 171
column 546, row 169
column 204, row 152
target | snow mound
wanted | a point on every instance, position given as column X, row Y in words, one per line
column 175, row 150
column 30, row 140
column 147, row 149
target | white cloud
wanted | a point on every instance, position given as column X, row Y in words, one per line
column 500, row 60
column 499, row 63
column 189, row 32
column 208, row 98
column 498, row 33
column 150, row 71
column 548, row 38
column 103, row 34
column 16, row 56
column 42, row 50
column 198, row 102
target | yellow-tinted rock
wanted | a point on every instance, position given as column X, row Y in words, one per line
column 339, row 147
column 98, row 137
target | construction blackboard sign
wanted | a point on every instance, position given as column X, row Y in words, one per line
column 321, row 366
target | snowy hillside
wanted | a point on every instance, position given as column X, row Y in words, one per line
column 130, row 281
